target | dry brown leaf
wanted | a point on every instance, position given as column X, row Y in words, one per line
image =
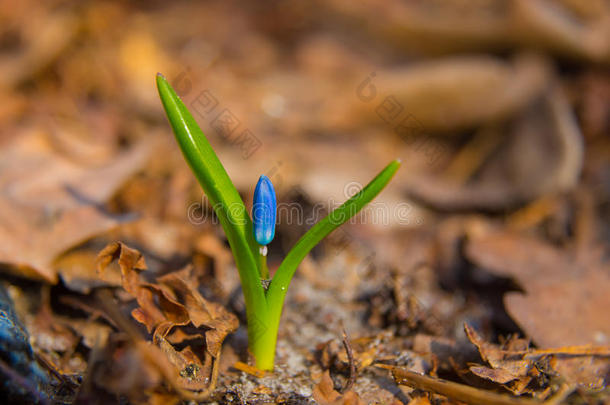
column 563, row 27
column 554, row 26
column 565, row 300
column 365, row 351
column 167, row 305
column 496, row 356
column 572, row 311
column 506, row 368
column 49, row 204
column 77, row 269
column 453, row 94
column 324, row 393
column 498, row 375
column 202, row 313
column 582, row 365
column 130, row 262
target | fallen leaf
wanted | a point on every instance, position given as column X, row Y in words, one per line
column 174, row 311
column 453, row 94
column 78, row 271
column 509, row 369
column 498, row 375
column 515, row 366
column 324, row 393
column 542, row 153
column 49, row 204
column 365, row 351
column 568, row 28
column 564, row 302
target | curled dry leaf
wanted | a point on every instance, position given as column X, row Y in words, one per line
column 174, row 312
column 325, row 394
column 516, row 366
column 130, row 262
column 565, row 300
column 364, row 352
column 506, row 368
column 78, row 271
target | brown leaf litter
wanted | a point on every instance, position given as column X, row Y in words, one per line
column 325, row 394
column 546, row 273
column 483, row 125
column 176, row 314
column 564, row 303
column 49, row 203
column 463, row 393
column 503, row 174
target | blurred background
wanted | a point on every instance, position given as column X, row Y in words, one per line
column 499, row 110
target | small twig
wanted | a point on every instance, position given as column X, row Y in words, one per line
column 86, row 387
column 59, row 376
column 92, row 311
column 352, row 365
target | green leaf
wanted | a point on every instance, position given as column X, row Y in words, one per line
column 219, row 189
column 281, row 280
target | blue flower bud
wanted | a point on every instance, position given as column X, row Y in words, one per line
column 264, row 211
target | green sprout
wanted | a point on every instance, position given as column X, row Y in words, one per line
column 264, row 301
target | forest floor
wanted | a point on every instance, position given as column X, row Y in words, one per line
column 480, row 275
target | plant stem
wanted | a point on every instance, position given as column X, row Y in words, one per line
column 262, row 338
column 263, row 265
